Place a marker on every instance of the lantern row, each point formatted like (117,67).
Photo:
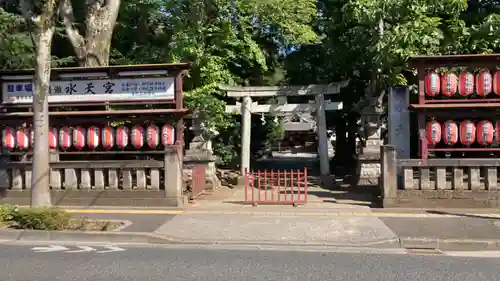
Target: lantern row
(92,137)
(468,132)
(465,84)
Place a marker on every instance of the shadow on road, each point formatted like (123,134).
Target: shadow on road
(476,216)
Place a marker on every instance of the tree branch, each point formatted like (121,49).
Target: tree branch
(113,5)
(68,18)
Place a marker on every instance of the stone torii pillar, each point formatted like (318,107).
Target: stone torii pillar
(324,159)
(246,133)
(247,107)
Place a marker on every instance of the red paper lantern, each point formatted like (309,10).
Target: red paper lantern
(65,137)
(484,83)
(467,132)
(433,132)
(496,83)
(79,137)
(466,84)
(23,138)
(167,135)
(108,137)
(122,137)
(93,137)
(485,132)
(450,133)
(153,136)
(8,138)
(52,138)
(432,84)
(137,136)
(449,83)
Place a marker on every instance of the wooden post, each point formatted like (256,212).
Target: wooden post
(388,176)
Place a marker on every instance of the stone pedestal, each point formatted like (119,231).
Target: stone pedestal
(369,154)
(369,170)
(201,157)
(200,151)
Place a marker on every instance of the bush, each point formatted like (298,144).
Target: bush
(35,218)
(7,212)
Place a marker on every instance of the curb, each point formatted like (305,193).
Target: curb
(381,244)
(123,237)
(420,243)
(450,244)
(80,236)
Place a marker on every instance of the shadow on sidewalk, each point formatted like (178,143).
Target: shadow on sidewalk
(316,195)
(476,216)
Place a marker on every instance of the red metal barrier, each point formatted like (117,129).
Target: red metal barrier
(198,183)
(281,187)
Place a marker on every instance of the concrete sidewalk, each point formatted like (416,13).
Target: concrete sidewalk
(325,220)
(278,230)
(445,233)
(462,231)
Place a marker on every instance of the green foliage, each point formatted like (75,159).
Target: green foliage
(206,100)
(7,212)
(49,219)
(35,218)
(18,50)
(17,47)
(273,42)
(274,131)
(227,144)
(232,42)
(367,37)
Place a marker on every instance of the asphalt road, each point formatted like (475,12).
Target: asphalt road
(140,222)
(19,263)
(445,228)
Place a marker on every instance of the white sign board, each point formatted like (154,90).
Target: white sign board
(94,90)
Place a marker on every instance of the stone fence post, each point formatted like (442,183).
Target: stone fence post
(5,182)
(174,183)
(389,174)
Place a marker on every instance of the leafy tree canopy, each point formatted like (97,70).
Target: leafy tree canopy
(272,42)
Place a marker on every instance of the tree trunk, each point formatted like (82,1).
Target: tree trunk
(98,34)
(42,28)
(92,49)
(40,189)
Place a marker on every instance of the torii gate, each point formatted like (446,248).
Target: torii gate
(247,107)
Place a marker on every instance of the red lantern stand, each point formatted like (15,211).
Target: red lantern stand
(87,128)
(464,88)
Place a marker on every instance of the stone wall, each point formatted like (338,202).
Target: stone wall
(448,182)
